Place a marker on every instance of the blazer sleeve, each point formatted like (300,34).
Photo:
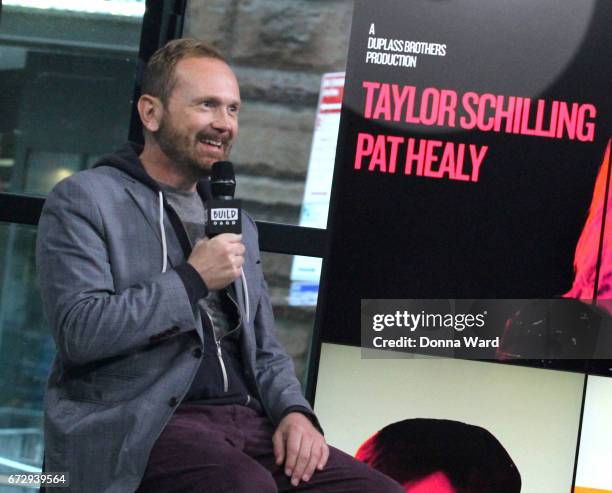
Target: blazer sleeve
(90,320)
(275,374)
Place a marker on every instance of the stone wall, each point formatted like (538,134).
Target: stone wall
(279,49)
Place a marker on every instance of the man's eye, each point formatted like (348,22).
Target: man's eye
(233,109)
(207,104)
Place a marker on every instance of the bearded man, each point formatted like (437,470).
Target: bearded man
(168,376)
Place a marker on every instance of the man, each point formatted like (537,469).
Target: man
(163,381)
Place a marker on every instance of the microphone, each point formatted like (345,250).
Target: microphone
(223,211)
(223,180)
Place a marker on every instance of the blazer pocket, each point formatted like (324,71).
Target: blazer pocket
(105,388)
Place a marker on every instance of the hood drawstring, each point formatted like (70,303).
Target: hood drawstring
(163,233)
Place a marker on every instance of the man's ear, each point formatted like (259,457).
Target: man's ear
(151,111)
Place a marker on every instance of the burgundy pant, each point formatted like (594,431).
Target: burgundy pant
(221,449)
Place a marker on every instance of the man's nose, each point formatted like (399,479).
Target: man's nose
(222,121)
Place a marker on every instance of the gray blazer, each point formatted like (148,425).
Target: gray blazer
(125,331)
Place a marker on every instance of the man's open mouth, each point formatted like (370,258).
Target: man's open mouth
(215,143)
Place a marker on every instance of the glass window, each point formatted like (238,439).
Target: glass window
(66,84)
(26,352)
(294,321)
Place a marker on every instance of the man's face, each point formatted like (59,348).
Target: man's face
(200,118)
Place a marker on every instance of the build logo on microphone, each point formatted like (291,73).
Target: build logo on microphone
(225,215)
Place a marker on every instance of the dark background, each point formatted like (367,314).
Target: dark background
(513,233)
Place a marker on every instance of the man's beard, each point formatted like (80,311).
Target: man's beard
(181,150)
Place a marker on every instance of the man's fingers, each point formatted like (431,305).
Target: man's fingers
(292,449)
(313,461)
(230,237)
(235,254)
(279,448)
(236,248)
(302,461)
(324,456)
(304,447)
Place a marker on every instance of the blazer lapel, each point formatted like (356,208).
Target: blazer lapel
(148,204)
(237,293)
(150,210)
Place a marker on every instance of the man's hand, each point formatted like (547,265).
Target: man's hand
(218,260)
(300,446)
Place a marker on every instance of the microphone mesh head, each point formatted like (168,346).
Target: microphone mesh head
(222,170)
(222,180)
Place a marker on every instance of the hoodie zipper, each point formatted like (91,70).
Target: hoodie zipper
(219,354)
(220,357)
(218,342)
(239,322)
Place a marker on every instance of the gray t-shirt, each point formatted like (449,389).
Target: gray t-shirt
(190,210)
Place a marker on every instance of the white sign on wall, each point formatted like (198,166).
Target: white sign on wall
(306,271)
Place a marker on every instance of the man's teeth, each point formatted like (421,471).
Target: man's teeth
(211,142)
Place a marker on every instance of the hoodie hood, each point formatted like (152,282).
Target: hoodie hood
(127,159)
